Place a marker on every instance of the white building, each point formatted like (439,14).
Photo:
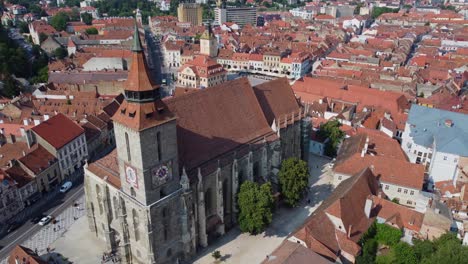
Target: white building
(439,140)
(239,15)
(303,12)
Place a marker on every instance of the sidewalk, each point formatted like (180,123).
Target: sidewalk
(46,236)
(42,204)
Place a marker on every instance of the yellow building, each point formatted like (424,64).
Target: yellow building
(190,12)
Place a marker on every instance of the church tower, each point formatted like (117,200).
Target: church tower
(208,43)
(156,225)
(145,132)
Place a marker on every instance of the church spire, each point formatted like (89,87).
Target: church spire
(136,47)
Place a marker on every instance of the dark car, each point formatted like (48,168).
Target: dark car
(37,218)
(13,226)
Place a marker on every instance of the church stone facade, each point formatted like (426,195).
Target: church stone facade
(170,186)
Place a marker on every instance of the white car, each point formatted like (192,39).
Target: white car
(66,186)
(45,220)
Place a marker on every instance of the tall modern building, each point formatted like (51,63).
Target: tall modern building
(190,12)
(239,15)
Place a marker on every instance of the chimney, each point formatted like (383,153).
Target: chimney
(368,206)
(350,228)
(46,117)
(364,149)
(24,153)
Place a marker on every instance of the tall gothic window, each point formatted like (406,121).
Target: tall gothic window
(135,224)
(208,202)
(129,157)
(99,198)
(158,141)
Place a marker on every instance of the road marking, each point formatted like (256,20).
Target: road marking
(34,226)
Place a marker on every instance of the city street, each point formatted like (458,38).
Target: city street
(29,229)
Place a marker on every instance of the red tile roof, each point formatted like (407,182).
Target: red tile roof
(58,131)
(107,168)
(277,99)
(397,215)
(38,160)
(24,255)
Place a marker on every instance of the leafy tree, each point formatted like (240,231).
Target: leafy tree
(293,179)
(23,27)
(75,14)
(396,200)
(10,88)
(423,248)
(42,76)
(332,131)
(404,254)
(59,21)
(216,254)
(60,53)
(369,250)
(377,11)
(42,37)
(448,250)
(87,18)
(92,31)
(388,235)
(72,3)
(255,207)
(448,7)
(385,259)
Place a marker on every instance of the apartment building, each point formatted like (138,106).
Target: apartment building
(239,15)
(190,12)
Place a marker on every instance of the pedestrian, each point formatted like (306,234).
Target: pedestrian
(48,249)
(308,201)
(59,227)
(55,229)
(35,251)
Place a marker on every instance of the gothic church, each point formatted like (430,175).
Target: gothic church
(169,187)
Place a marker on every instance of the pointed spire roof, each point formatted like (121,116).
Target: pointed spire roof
(136,47)
(139,75)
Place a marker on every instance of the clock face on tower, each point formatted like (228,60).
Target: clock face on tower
(161,174)
(131,176)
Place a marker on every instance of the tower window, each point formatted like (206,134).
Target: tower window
(127,142)
(158,142)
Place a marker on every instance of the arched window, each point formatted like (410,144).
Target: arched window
(241,176)
(99,198)
(225,196)
(116,207)
(208,202)
(256,171)
(135,224)
(132,191)
(158,142)
(164,212)
(127,142)
(166,232)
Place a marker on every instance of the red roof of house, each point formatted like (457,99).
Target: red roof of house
(24,255)
(58,131)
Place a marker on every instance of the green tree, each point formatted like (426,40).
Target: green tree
(75,14)
(255,207)
(92,31)
(332,131)
(10,88)
(23,27)
(87,18)
(42,76)
(448,250)
(59,21)
(42,37)
(293,179)
(388,235)
(423,248)
(377,11)
(369,250)
(60,53)
(404,254)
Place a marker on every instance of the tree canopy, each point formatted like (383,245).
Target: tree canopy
(388,235)
(255,207)
(377,11)
(293,179)
(332,131)
(92,31)
(59,21)
(60,53)
(87,18)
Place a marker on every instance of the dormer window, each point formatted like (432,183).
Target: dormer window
(132,114)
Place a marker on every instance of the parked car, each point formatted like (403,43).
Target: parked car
(13,226)
(44,221)
(66,186)
(37,218)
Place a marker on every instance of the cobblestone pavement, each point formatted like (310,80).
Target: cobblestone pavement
(236,247)
(47,235)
